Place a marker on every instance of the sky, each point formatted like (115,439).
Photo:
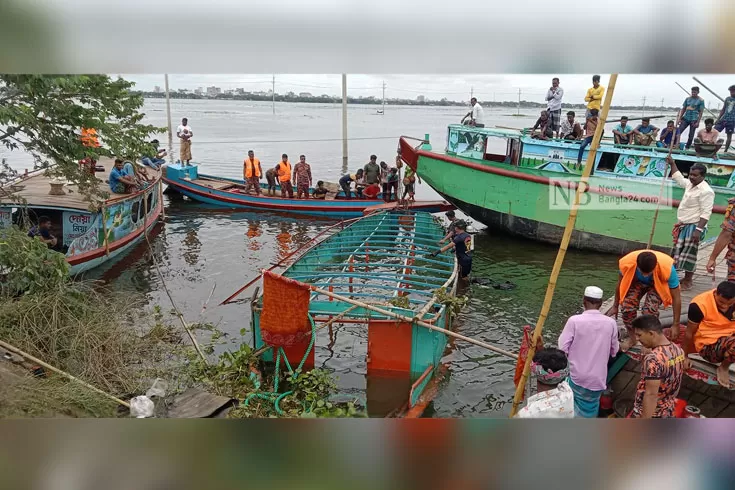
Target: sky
(629,90)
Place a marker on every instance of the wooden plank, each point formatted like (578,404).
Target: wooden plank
(712,407)
(620,382)
(697,399)
(728,412)
(196,403)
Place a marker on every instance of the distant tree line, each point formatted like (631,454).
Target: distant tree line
(328,99)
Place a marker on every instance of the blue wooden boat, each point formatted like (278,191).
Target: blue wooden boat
(231,193)
(377,261)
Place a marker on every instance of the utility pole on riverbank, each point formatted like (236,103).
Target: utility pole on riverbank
(384,97)
(273,89)
(519,102)
(344,123)
(643,111)
(168,118)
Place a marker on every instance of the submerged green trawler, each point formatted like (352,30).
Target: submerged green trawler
(527,190)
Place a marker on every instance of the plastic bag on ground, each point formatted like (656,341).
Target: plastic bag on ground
(158,389)
(141,407)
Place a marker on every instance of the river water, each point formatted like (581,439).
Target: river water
(200,247)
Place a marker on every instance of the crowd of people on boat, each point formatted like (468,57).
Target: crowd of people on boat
(706,141)
(572,376)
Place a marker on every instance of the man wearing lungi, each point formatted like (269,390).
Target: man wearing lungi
(692,216)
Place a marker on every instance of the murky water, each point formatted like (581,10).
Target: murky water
(199,247)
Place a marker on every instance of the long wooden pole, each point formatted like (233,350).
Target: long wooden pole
(687,92)
(582,187)
(63,373)
(708,89)
(168,118)
(345,166)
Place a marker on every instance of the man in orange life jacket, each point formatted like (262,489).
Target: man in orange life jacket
(651,274)
(284,176)
(711,328)
(252,172)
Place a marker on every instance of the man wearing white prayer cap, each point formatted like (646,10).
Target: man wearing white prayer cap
(589,340)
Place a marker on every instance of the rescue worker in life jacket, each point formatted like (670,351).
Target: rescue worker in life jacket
(252,172)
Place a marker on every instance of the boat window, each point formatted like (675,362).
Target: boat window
(148,204)
(134,211)
(607,162)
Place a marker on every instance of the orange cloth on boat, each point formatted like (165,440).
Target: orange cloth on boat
(714,324)
(89,137)
(661,274)
(284,172)
(285,317)
(250,167)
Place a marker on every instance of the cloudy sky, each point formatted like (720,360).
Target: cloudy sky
(630,89)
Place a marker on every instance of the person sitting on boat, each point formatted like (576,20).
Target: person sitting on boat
(589,340)
(590,126)
(664,141)
(692,216)
(662,370)
(372,171)
(570,129)
(451,227)
(347,180)
(651,274)
(156,160)
(409,184)
(462,244)
(543,123)
(42,231)
(302,178)
(554,398)
(645,133)
(283,170)
(711,328)
(320,192)
(708,136)
(371,191)
(121,182)
(726,119)
(252,172)
(476,115)
(622,132)
(271,175)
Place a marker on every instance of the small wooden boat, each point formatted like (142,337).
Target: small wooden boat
(232,193)
(88,234)
(375,273)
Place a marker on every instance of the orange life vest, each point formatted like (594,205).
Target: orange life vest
(250,167)
(284,172)
(661,274)
(89,137)
(714,324)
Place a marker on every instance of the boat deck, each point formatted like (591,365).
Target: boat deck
(34,188)
(713,400)
(230,185)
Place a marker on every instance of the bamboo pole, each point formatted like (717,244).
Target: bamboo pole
(564,243)
(411,320)
(708,89)
(63,373)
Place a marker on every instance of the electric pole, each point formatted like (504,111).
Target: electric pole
(273,89)
(662,103)
(519,102)
(383,97)
(643,111)
(344,123)
(472,92)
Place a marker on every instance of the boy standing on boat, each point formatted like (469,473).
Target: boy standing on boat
(662,369)
(711,329)
(651,274)
(252,172)
(690,114)
(553,104)
(726,119)
(302,178)
(594,96)
(692,217)
(184,133)
(589,340)
(283,170)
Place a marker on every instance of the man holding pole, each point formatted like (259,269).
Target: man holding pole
(692,217)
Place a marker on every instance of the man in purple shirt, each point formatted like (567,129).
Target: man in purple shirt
(589,340)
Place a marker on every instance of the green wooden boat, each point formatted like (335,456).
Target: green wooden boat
(381,261)
(527,188)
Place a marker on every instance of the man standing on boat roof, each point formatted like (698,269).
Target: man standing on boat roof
(476,115)
(184,133)
(252,172)
(690,114)
(726,119)
(553,104)
(302,178)
(372,171)
(283,169)
(589,340)
(651,274)
(594,95)
(692,216)
(462,244)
